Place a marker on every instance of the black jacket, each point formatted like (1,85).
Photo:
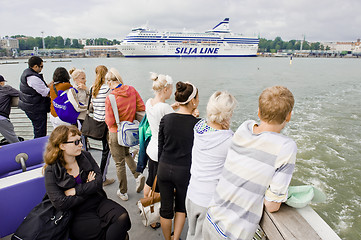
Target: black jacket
(30,100)
(6,93)
(88,194)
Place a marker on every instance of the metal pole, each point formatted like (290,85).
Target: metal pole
(42,34)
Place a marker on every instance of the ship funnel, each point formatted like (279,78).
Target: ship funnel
(222,27)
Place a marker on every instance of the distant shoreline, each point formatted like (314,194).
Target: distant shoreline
(11,60)
(309,56)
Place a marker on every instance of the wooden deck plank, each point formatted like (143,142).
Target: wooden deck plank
(287,223)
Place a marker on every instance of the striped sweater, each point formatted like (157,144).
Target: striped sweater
(99,103)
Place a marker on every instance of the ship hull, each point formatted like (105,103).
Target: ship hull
(187,50)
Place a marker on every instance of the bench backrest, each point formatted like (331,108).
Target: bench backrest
(34,148)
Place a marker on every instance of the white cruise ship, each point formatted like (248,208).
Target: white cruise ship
(218,42)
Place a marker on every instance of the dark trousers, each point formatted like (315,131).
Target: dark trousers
(84,139)
(172,177)
(105,152)
(108,221)
(39,121)
(152,172)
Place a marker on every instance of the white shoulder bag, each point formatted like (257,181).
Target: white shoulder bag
(128,132)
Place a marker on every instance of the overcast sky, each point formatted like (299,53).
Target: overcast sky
(318,20)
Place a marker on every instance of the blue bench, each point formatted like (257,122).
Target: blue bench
(19,194)
(20,191)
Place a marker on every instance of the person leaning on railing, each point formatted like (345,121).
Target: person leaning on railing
(6,127)
(34,97)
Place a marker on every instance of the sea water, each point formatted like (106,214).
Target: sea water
(326,121)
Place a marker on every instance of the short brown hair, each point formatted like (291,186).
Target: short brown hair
(275,103)
(61,75)
(34,60)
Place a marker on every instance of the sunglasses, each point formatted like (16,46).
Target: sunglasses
(76,142)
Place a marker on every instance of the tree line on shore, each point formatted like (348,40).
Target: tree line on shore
(51,42)
(278,44)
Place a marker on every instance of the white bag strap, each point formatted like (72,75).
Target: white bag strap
(70,93)
(114,107)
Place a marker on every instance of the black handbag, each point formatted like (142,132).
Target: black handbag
(44,222)
(93,128)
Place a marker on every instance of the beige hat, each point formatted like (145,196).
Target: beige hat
(116,74)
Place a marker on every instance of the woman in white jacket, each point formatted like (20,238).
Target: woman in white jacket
(212,138)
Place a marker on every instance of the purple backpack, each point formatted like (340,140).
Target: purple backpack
(63,106)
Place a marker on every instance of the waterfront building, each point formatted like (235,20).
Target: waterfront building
(102,51)
(82,41)
(9,43)
(344,46)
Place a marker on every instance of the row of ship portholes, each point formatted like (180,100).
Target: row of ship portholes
(150,47)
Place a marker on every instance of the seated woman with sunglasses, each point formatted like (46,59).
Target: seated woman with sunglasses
(73,182)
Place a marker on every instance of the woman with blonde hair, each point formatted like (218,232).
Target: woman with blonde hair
(99,92)
(175,142)
(79,78)
(73,182)
(82,95)
(212,138)
(128,103)
(156,108)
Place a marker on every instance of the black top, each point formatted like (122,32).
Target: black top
(6,93)
(30,100)
(88,194)
(176,139)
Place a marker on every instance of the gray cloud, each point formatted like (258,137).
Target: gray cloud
(319,20)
